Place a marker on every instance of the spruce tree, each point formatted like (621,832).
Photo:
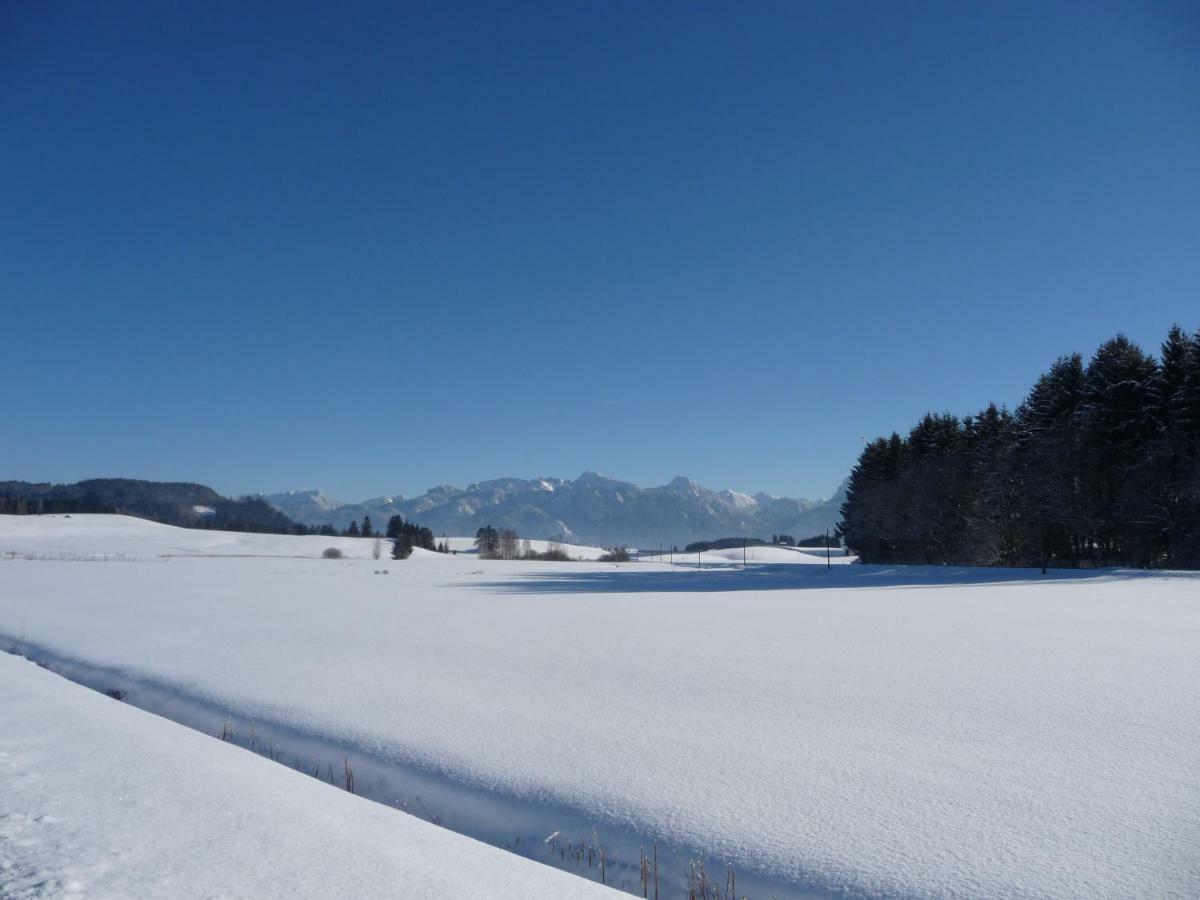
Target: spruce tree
(487,540)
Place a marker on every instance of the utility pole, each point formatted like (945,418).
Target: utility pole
(828,552)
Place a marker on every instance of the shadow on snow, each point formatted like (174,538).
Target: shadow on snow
(627,579)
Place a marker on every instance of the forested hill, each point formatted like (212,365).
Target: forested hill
(174,503)
(1100,465)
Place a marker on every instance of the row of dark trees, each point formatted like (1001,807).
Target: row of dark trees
(364,530)
(407,535)
(816,540)
(722,544)
(22,506)
(1100,465)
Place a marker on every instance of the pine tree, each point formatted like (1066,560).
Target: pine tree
(487,540)
(1185,411)
(1181,368)
(1117,420)
(1047,467)
(1172,374)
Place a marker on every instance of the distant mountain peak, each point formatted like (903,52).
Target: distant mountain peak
(308,496)
(589,477)
(381,501)
(592,508)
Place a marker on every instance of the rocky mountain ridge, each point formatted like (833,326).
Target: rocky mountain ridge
(592,509)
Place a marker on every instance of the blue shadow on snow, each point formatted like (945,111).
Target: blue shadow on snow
(626,578)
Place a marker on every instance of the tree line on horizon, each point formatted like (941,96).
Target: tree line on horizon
(778,540)
(172,503)
(1098,466)
(175,503)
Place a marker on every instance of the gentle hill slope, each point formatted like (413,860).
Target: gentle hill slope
(87,534)
(110,535)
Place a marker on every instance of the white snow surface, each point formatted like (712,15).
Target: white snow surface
(98,535)
(783,555)
(916,732)
(101,799)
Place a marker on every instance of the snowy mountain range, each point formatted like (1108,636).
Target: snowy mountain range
(591,509)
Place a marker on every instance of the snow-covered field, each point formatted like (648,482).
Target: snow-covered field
(124,536)
(117,536)
(774,555)
(98,799)
(864,730)
(783,555)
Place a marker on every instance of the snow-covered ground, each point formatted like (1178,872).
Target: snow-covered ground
(125,536)
(98,799)
(770,554)
(96,535)
(784,555)
(877,731)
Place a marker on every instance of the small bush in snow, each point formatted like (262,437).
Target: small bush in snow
(331,553)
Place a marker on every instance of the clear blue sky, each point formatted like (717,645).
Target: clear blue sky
(374,248)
